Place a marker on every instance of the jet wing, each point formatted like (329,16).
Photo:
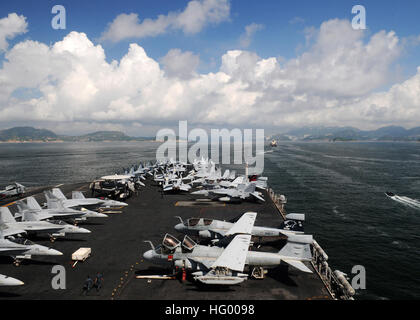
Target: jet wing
(244,225)
(220,191)
(207,263)
(12,251)
(34,215)
(169,187)
(256,195)
(6,231)
(184,187)
(234,256)
(298,265)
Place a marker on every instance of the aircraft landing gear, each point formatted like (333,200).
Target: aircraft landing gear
(17,262)
(258,273)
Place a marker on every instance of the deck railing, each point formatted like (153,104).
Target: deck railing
(335,282)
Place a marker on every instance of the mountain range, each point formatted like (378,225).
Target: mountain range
(29,134)
(389,133)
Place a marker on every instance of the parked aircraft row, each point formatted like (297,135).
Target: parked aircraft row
(52,220)
(224,262)
(205,178)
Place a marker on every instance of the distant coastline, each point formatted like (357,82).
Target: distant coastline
(349,134)
(33,135)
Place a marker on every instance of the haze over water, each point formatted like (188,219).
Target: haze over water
(340,187)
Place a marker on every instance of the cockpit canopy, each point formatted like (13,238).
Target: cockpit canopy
(192,222)
(170,242)
(58,222)
(188,243)
(22,241)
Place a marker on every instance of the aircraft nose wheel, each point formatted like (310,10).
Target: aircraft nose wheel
(258,273)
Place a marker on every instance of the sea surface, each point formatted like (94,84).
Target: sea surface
(340,186)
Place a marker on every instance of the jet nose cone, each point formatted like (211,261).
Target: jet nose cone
(9,281)
(101,215)
(53,252)
(18,283)
(83,230)
(148,255)
(179,227)
(15,282)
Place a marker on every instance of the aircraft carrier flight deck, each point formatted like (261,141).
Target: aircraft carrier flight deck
(117,244)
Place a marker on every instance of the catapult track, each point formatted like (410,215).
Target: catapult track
(117,248)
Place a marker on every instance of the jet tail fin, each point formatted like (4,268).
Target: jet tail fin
(77,195)
(32,203)
(249,188)
(58,193)
(22,206)
(29,216)
(6,216)
(54,204)
(49,195)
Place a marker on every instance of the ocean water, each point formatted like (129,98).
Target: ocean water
(340,187)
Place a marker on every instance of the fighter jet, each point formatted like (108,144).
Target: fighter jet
(9,281)
(216,229)
(175,185)
(225,266)
(30,224)
(68,203)
(78,195)
(20,248)
(59,201)
(12,190)
(54,211)
(242,192)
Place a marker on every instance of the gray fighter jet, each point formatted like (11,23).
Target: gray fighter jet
(225,266)
(55,210)
(175,186)
(30,224)
(20,248)
(9,281)
(242,192)
(68,203)
(216,229)
(78,195)
(56,201)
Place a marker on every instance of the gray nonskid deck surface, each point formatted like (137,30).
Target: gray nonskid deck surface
(117,248)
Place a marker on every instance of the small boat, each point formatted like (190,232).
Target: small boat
(390,194)
(273,143)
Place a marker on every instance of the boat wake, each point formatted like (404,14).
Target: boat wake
(405,200)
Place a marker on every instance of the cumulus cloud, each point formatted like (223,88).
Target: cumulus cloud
(180,64)
(10,27)
(250,30)
(334,82)
(197,15)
